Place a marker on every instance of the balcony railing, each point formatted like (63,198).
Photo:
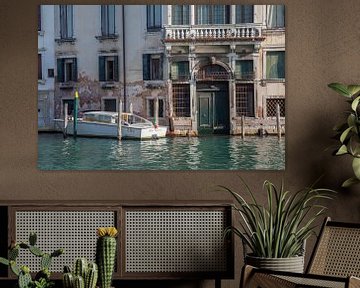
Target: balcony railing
(213,33)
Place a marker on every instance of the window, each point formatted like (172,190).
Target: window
(271,106)
(110,105)
(40,73)
(275,65)
(212,14)
(276,16)
(244,69)
(181,100)
(107,20)
(244,13)
(39,17)
(108,68)
(180,14)
(180,71)
(66,22)
(51,73)
(151,108)
(70,103)
(245,100)
(152,67)
(67,70)
(153,17)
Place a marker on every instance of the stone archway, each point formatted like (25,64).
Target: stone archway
(212,97)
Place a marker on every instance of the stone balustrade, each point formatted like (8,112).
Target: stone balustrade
(218,32)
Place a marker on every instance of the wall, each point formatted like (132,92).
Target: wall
(323,41)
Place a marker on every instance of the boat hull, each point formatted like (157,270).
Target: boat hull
(109,130)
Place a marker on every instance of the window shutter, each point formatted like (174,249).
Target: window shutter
(161,67)
(146,66)
(101,68)
(174,71)
(74,71)
(116,68)
(60,70)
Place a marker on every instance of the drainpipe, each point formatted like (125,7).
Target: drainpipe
(124,57)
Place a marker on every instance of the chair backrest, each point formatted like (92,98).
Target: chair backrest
(337,251)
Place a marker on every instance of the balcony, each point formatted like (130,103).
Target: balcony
(206,33)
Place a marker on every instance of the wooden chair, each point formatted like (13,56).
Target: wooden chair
(334,263)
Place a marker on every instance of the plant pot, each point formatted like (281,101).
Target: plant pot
(291,264)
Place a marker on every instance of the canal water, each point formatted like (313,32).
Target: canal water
(179,153)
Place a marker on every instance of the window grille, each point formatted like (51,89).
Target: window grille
(271,104)
(181,100)
(245,100)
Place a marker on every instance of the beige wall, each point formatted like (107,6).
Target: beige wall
(323,43)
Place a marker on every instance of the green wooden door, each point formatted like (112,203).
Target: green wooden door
(205,112)
(221,121)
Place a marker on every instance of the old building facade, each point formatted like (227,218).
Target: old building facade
(195,68)
(46,65)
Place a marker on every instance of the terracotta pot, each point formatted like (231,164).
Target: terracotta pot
(291,264)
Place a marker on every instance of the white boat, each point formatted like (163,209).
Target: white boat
(104,124)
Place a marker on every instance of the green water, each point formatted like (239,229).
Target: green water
(196,153)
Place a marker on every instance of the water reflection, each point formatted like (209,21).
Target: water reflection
(197,153)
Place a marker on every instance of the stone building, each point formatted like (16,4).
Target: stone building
(46,65)
(195,68)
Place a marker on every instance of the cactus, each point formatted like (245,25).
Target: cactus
(91,276)
(105,254)
(24,280)
(42,278)
(68,280)
(36,251)
(88,273)
(80,267)
(79,282)
(45,261)
(32,239)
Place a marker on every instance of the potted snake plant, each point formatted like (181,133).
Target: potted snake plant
(274,234)
(348,132)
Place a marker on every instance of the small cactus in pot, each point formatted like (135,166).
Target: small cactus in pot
(106,254)
(85,275)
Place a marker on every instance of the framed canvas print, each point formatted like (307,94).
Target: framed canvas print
(161,87)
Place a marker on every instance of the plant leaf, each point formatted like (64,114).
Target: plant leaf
(342,150)
(340,88)
(356,167)
(353,89)
(355,103)
(349,182)
(345,134)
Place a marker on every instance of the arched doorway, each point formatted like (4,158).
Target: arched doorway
(212,90)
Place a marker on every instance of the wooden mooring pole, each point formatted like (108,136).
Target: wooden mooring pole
(119,120)
(156,112)
(243,126)
(278,125)
(76,103)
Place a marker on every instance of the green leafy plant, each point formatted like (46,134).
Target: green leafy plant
(42,278)
(348,133)
(279,229)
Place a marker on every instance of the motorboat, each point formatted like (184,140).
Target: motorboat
(104,124)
